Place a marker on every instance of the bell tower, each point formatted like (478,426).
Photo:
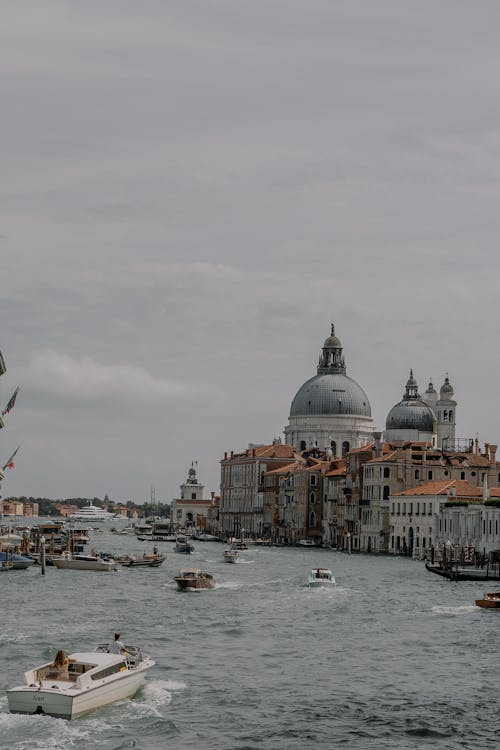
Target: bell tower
(446,416)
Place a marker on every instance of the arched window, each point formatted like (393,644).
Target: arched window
(303,445)
(333,446)
(387,492)
(312,518)
(387,471)
(313,498)
(450,415)
(445,415)
(417,474)
(345,448)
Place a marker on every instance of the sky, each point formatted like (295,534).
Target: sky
(191,192)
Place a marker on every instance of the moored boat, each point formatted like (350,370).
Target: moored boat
(91,680)
(193,579)
(231,555)
(491,600)
(84,562)
(320,577)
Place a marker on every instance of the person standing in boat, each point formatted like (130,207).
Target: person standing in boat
(117,646)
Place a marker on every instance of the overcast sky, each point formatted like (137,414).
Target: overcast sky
(192,191)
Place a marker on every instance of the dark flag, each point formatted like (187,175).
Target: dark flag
(9,464)
(11,403)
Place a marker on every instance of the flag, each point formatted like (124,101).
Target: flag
(10,463)
(11,403)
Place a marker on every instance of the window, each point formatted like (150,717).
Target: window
(109,670)
(404,509)
(462,475)
(429,474)
(450,415)
(193,496)
(303,445)
(417,474)
(399,507)
(312,518)
(417,512)
(392,509)
(387,471)
(445,415)
(387,492)
(423,509)
(333,446)
(313,498)
(313,479)
(345,448)
(411,512)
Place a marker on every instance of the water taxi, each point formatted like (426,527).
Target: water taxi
(490,600)
(320,577)
(193,579)
(91,680)
(231,555)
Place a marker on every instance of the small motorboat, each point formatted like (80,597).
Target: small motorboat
(320,577)
(146,561)
(85,562)
(306,543)
(490,600)
(231,555)
(183,546)
(193,579)
(91,680)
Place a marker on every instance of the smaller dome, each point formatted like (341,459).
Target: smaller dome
(412,414)
(430,388)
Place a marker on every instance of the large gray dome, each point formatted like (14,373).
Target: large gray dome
(332,393)
(410,414)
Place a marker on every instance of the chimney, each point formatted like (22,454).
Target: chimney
(377,436)
(493,451)
(486,450)
(232,454)
(225,455)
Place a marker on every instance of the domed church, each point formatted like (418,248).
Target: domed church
(330,411)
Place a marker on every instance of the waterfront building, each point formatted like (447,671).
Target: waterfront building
(330,411)
(242,487)
(442,512)
(191,509)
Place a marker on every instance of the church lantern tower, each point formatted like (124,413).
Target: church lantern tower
(446,416)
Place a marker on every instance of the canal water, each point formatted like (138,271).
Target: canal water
(393,657)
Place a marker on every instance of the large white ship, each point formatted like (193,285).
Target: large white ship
(91,514)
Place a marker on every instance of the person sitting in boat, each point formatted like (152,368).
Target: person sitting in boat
(117,646)
(61,663)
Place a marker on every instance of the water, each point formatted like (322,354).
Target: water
(393,657)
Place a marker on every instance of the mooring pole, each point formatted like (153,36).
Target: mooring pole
(42,553)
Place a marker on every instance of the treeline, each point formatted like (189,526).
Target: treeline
(48,506)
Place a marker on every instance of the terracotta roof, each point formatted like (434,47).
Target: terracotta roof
(280,450)
(444,487)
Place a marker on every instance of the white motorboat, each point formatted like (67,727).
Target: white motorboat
(306,543)
(320,577)
(231,555)
(91,514)
(84,562)
(91,680)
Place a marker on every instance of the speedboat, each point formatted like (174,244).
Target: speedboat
(90,681)
(238,544)
(16,561)
(320,577)
(193,579)
(84,562)
(306,543)
(490,600)
(231,555)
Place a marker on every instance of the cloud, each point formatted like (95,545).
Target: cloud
(85,382)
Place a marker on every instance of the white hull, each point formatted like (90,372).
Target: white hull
(72,703)
(84,564)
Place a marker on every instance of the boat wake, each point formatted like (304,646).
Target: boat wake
(459,610)
(155,696)
(228,585)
